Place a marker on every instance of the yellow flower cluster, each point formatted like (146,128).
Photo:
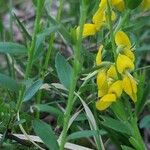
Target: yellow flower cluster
(100,17)
(113,81)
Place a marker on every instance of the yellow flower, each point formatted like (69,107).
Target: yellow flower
(112,73)
(88,29)
(103,4)
(129,54)
(122,39)
(102,83)
(124,63)
(105,101)
(116,88)
(130,87)
(145,5)
(99,56)
(99,18)
(119,4)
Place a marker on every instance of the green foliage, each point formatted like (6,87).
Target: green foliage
(12,48)
(49,109)
(48,76)
(145,122)
(116,125)
(9,83)
(64,70)
(31,91)
(85,134)
(45,132)
(132,4)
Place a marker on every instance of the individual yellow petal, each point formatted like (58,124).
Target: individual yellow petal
(129,54)
(105,101)
(88,29)
(99,18)
(119,4)
(103,4)
(112,73)
(130,87)
(122,39)
(99,56)
(145,5)
(116,88)
(102,83)
(124,63)
(102,92)
(101,78)
(110,81)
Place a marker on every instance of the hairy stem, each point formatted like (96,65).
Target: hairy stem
(76,70)
(31,52)
(109,13)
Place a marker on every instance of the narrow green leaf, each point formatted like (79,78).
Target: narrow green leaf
(142,94)
(45,132)
(135,143)
(85,134)
(48,109)
(126,147)
(12,48)
(92,123)
(116,125)
(24,30)
(62,30)
(41,36)
(30,92)
(145,122)
(64,70)
(8,83)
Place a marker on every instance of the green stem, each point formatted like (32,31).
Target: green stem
(48,55)
(136,134)
(122,21)
(76,70)
(31,52)
(111,28)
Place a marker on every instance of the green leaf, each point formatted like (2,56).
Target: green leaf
(30,92)
(85,134)
(62,30)
(64,70)
(145,122)
(48,109)
(8,83)
(116,125)
(41,36)
(24,30)
(45,132)
(131,4)
(12,48)
(92,122)
(142,94)
(135,143)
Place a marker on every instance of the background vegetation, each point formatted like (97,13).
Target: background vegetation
(37,39)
